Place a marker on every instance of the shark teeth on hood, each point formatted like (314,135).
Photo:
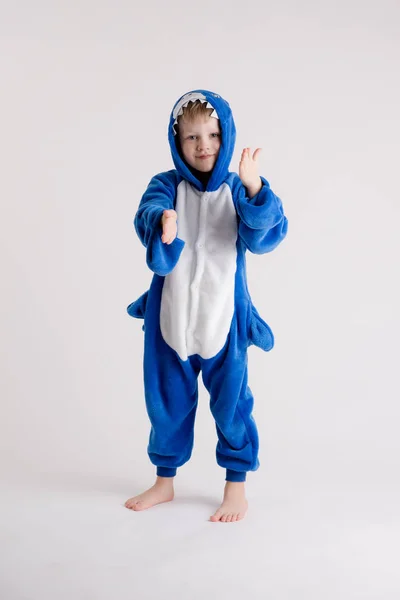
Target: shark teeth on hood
(184,101)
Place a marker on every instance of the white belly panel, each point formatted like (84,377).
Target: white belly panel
(197,300)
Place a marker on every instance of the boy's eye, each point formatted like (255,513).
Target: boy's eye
(215,134)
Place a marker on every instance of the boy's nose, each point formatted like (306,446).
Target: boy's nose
(202,145)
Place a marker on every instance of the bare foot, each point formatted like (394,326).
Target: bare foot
(161,491)
(234,505)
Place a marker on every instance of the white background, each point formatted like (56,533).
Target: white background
(86,92)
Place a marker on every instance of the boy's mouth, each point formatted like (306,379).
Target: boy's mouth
(204,156)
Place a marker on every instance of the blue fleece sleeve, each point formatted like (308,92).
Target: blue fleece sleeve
(262,223)
(159,196)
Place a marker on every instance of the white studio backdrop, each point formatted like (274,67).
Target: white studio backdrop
(85,108)
(87,89)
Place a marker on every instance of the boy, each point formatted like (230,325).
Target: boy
(197,221)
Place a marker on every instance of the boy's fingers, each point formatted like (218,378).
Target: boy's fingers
(247,152)
(169,232)
(168,214)
(170,228)
(170,239)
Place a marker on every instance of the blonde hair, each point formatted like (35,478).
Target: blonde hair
(195,109)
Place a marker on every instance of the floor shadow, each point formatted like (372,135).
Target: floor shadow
(107,484)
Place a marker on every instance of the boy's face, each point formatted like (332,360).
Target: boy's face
(200,142)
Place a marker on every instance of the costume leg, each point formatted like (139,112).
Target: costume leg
(231,403)
(171,394)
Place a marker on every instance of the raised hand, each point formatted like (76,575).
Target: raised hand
(169,226)
(248,171)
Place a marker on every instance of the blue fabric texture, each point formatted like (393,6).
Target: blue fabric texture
(235,475)
(170,384)
(165,472)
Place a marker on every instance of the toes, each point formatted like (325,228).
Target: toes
(226,517)
(216,516)
(132,503)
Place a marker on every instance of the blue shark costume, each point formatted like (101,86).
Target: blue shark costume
(198,314)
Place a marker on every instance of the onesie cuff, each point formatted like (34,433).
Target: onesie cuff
(235,475)
(166,472)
